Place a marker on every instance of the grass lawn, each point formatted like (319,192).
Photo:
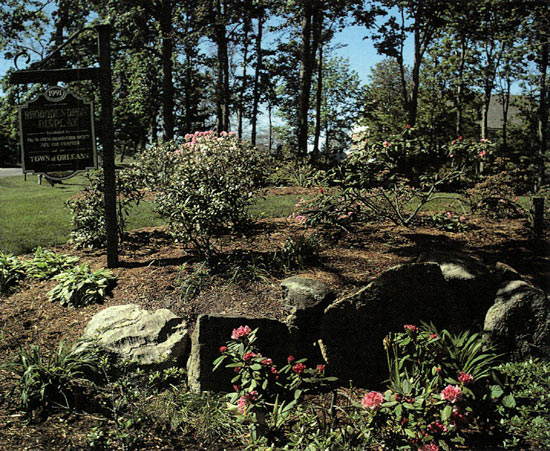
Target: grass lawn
(33,215)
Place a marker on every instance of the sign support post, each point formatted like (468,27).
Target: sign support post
(107,140)
(102,75)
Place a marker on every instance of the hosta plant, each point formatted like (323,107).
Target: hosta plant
(45,264)
(12,270)
(80,286)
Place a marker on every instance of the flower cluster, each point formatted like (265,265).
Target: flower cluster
(241,332)
(372,400)
(451,393)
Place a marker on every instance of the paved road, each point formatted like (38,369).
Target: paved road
(7,172)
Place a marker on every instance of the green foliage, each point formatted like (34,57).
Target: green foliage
(494,197)
(298,251)
(524,403)
(12,270)
(262,388)
(291,171)
(88,207)
(45,264)
(213,182)
(189,286)
(44,383)
(78,287)
(450,221)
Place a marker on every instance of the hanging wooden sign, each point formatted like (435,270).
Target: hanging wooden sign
(57,134)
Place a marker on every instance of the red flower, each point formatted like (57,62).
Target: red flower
(437,428)
(408,126)
(299,368)
(267,362)
(451,393)
(290,359)
(410,327)
(320,368)
(387,144)
(242,331)
(465,378)
(372,400)
(433,336)
(248,356)
(237,369)
(223,349)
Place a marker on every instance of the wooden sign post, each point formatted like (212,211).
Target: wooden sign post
(101,75)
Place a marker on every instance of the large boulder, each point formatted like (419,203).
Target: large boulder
(352,329)
(213,331)
(470,284)
(157,338)
(305,300)
(518,323)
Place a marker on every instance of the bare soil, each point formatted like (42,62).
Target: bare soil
(151,275)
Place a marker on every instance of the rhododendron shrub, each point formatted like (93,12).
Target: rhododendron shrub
(204,186)
(261,386)
(439,385)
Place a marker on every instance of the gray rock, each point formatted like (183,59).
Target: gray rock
(213,331)
(306,300)
(157,338)
(519,321)
(471,285)
(352,329)
(505,272)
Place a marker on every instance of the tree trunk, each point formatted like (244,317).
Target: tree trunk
(240,113)
(270,144)
(222,84)
(542,125)
(485,111)
(412,106)
(256,88)
(460,88)
(167,67)
(306,70)
(318,103)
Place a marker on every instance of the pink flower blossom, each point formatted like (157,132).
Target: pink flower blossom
(433,336)
(451,393)
(387,144)
(232,133)
(460,138)
(501,201)
(450,214)
(242,331)
(437,428)
(320,368)
(429,447)
(372,400)
(437,369)
(290,359)
(299,368)
(462,219)
(300,218)
(465,378)
(248,356)
(408,126)
(223,349)
(223,133)
(410,327)
(245,400)
(267,362)
(482,153)
(515,199)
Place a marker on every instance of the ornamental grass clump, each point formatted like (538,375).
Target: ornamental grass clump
(80,286)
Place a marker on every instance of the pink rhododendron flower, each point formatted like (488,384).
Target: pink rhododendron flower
(299,368)
(242,331)
(462,219)
(450,214)
(482,153)
(387,144)
(248,356)
(408,126)
(433,336)
(460,138)
(320,368)
(300,218)
(410,327)
(290,359)
(451,393)
(267,362)
(223,349)
(437,428)
(465,378)
(372,400)
(437,370)
(237,369)
(429,447)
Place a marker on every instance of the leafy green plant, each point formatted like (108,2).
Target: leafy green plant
(438,385)
(298,251)
(88,206)
(190,285)
(262,388)
(214,180)
(523,402)
(49,382)
(12,270)
(45,264)
(79,286)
